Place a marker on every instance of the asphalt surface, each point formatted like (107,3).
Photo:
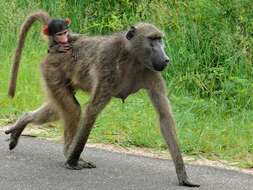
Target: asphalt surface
(38,164)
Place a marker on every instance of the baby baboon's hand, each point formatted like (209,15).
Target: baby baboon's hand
(75,52)
(63,48)
(60,48)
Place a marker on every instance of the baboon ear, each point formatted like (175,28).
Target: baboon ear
(130,33)
(67,21)
(45,30)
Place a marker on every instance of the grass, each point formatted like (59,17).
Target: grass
(210,79)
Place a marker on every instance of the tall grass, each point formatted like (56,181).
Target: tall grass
(210,79)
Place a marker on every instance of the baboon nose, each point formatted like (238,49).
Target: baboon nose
(166,61)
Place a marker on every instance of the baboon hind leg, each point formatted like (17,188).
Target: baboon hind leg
(69,110)
(100,97)
(46,113)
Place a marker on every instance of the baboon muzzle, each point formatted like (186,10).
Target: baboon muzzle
(160,67)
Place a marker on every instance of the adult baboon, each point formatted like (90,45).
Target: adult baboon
(107,66)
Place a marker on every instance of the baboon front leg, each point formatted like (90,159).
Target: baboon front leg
(46,113)
(158,97)
(98,101)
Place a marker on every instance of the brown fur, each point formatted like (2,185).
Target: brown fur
(112,66)
(44,18)
(38,16)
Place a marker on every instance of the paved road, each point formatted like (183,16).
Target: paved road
(38,164)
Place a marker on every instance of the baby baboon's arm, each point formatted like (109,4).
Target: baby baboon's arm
(64,48)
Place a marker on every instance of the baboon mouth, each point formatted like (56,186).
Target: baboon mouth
(159,67)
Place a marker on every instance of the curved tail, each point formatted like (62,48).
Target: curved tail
(44,18)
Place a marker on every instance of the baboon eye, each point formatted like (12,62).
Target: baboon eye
(159,40)
(61,33)
(155,38)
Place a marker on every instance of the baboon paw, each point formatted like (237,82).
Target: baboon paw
(187,183)
(14,137)
(14,130)
(8,131)
(80,165)
(13,143)
(73,167)
(86,164)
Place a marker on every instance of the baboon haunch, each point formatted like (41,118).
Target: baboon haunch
(107,66)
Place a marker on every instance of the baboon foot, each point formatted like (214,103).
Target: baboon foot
(11,130)
(15,134)
(80,165)
(187,183)
(13,142)
(86,164)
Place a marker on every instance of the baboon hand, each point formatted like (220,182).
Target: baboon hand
(80,165)
(60,48)
(75,52)
(64,47)
(187,183)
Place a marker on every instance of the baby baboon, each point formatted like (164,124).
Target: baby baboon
(56,44)
(60,40)
(108,66)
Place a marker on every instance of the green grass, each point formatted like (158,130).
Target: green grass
(210,80)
